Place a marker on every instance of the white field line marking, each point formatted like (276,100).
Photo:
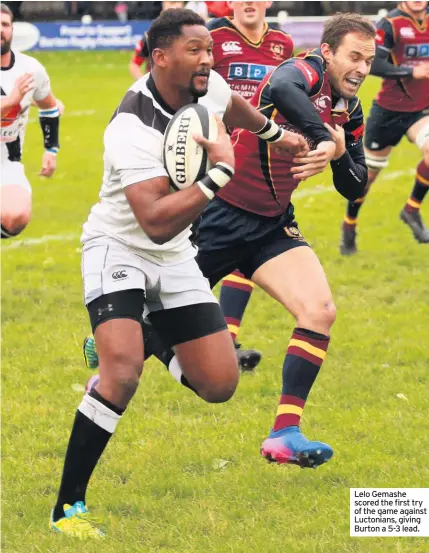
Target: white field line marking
(298,194)
(322,190)
(36,241)
(76,113)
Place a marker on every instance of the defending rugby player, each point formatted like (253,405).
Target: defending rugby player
(400,109)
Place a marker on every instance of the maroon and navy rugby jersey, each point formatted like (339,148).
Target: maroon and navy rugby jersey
(141,52)
(298,97)
(242,63)
(404,42)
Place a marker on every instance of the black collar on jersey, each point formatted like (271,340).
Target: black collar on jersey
(11,64)
(155,93)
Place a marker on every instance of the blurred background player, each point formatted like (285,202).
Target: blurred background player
(245,49)
(23,81)
(139,64)
(400,109)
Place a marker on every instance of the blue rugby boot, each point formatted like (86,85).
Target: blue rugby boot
(289,445)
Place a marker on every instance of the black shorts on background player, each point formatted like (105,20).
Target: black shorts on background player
(386,128)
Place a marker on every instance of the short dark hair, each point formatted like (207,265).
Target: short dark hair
(341,24)
(168,26)
(6,9)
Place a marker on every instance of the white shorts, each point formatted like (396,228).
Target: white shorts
(12,172)
(109,266)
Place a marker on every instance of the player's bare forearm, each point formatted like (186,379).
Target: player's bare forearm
(163,215)
(242,115)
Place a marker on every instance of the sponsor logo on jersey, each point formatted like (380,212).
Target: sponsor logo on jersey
(231,47)
(277,50)
(251,71)
(417,51)
(407,32)
(358,133)
(120,275)
(321,103)
(309,73)
(380,35)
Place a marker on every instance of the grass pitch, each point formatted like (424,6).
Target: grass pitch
(181,476)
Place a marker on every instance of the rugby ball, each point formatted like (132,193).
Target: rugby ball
(186,161)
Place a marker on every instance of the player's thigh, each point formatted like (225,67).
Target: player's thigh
(210,365)
(15,195)
(421,123)
(224,233)
(384,128)
(185,312)
(114,281)
(203,346)
(296,279)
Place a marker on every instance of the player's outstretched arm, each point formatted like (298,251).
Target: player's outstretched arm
(242,115)
(290,91)
(49,117)
(163,215)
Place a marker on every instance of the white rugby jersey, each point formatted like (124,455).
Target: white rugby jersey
(133,144)
(13,123)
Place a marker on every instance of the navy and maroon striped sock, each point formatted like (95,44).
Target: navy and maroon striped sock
(234,297)
(304,357)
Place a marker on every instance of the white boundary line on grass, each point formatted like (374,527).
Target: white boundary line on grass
(75,113)
(297,195)
(42,240)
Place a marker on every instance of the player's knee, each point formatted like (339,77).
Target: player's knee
(219,391)
(124,370)
(319,316)
(14,221)
(375,164)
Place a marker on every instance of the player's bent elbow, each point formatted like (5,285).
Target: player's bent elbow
(351,193)
(158,237)
(155,231)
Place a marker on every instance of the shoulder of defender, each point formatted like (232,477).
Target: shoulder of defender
(274,32)
(395,14)
(218,23)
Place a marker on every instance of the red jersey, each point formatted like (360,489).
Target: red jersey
(262,182)
(407,40)
(141,52)
(242,63)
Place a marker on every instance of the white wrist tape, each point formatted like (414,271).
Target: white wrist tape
(270,132)
(216,178)
(422,136)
